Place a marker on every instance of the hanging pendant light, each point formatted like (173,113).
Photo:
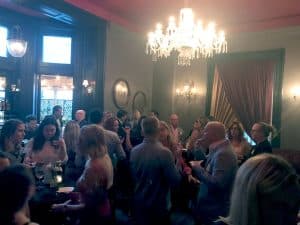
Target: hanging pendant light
(15,44)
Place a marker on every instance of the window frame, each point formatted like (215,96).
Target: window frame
(7,30)
(55,68)
(44,55)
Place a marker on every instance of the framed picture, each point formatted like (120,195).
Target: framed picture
(121,93)
(139,101)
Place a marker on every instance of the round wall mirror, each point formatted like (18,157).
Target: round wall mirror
(121,93)
(139,102)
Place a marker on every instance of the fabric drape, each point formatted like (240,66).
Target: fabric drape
(221,109)
(248,86)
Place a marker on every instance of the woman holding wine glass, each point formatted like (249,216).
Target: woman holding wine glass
(46,148)
(95,181)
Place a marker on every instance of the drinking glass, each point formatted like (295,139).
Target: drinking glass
(39,172)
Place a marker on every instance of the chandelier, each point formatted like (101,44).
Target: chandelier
(189,39)
(16,45)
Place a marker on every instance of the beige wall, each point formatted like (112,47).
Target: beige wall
(126,59)
(290,40)
(189,111)
(167,77)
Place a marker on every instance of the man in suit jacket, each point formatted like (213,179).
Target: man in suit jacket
(80,117)
(259,133)
(217,176)
(154,173)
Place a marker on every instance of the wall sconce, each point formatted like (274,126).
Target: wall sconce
(15,44)
(188,91)
(295,91)
(15,87)
(89,86)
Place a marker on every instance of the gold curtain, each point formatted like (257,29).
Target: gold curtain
(220,107)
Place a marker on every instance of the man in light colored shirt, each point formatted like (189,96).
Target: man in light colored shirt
(175,129)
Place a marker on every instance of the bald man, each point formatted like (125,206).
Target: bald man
(216,176)
(175,129)
(80,117)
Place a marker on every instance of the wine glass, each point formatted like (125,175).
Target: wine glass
(39,172)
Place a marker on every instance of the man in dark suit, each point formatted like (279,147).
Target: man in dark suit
(154,173)
(260,133)
(217,176)
(57,112)
(122,118)
(80,117)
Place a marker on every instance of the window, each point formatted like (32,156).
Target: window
(2,98)
(3,37)
(57,49)
(56,90)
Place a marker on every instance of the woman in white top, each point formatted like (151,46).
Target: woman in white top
(46,147)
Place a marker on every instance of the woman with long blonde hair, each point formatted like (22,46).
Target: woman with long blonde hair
(240,145)
(75,163)
(71,135)
(266,192)
(166,137)
(96,178)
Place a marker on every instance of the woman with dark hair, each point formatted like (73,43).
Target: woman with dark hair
(12,134)
(111,124)
(194,151)
(195,132)
(265,192)
(260,132)
(16,188)
(46,147)
(240,145)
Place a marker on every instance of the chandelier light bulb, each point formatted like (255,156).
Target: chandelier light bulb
(158,26)
(190,39)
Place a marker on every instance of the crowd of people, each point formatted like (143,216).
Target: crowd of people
(144,171)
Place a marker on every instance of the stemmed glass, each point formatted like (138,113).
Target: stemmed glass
(39,173)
